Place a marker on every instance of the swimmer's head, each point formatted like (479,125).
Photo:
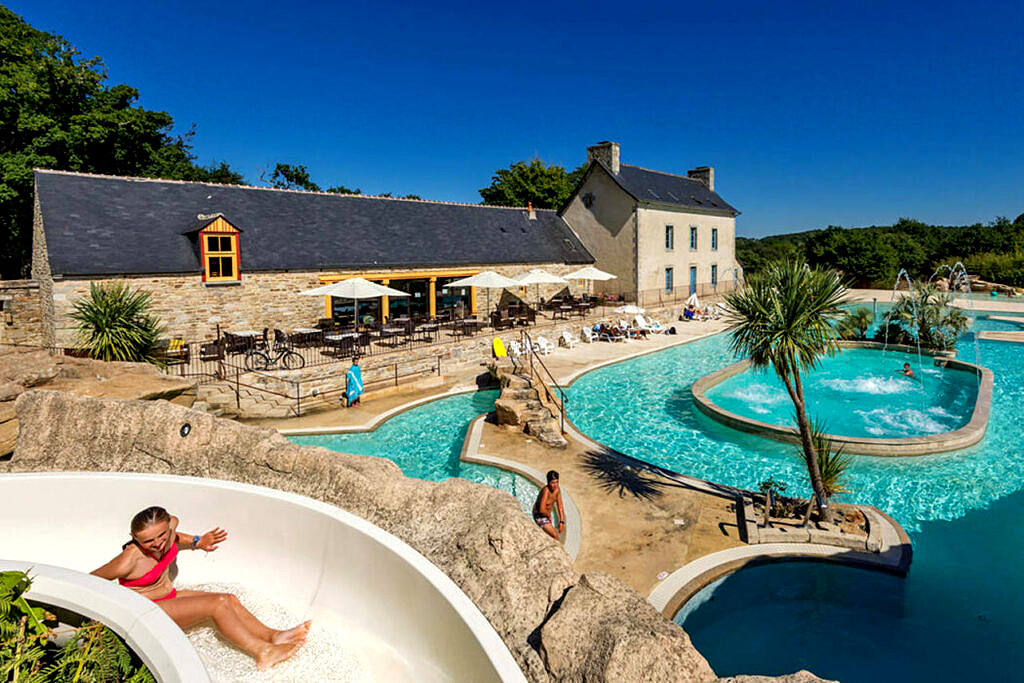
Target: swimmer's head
(151,527)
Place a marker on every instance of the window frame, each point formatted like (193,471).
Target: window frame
(714,239)
(232,254)
(669,278)
(670,238)
(714,274)
(694,240)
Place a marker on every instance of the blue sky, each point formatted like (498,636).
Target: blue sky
(812,113)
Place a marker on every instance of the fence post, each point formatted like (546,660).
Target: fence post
(439,366)
(298,398)
(396,374)
(238,401)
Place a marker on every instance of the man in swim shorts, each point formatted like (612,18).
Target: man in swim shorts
(548,497)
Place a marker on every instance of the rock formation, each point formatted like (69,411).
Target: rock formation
(557,624)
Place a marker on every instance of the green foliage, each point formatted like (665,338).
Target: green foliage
(785,317)
(924,315)
(833,462)
(29,654)
(115,323)
(855,324)
(873,256)
(292,177)
(57,112)
(522,183)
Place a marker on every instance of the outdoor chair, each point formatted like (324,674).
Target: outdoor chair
(588,335)
(543,346)
(211,351)
(568,340)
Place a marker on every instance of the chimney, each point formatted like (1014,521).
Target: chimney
(607,153)
(705,174)
(531,214)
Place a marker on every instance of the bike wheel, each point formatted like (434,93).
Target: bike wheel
(256,360)
(292,361)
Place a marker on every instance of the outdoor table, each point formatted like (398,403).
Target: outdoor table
(563,311)
(305,330)
(248,333)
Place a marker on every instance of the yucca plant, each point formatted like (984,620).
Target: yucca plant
(115,323)
(855,324)
(833,461)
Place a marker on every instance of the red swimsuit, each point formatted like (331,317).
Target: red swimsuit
(150,577)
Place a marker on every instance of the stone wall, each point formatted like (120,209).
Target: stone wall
(192,310)
(21,313)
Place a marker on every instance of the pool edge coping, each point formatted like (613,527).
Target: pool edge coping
(471,454)
(958,439)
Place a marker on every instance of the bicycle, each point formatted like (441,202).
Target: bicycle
(259,359)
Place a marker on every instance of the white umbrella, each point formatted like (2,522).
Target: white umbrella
(355,288)
(487,279)
(590,273)
(693,301)
(539,277)
(631,309)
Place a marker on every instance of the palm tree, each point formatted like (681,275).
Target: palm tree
(785,318)
(925,314)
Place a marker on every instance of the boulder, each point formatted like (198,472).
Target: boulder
(798,677)
(510,411)
(605,631)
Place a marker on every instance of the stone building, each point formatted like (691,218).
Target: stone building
(236,257)
(659,233)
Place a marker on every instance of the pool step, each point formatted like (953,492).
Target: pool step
(520,405)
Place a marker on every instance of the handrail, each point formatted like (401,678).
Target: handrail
(562,399)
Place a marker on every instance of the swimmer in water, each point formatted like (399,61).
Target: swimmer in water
(907,371)
(147,564)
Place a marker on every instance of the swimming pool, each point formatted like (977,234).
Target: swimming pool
(860,392)
(957,613)
(426,441)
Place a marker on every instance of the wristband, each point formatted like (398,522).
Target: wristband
(195,543)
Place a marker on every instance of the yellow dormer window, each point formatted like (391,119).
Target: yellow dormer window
(221,261)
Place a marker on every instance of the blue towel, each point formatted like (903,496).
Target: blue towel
(354,383)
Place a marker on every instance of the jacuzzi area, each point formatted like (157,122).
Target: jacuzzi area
(381,610)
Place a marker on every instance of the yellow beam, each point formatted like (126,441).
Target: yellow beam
(472,300)
(432,298)
(385,309)
(328,278)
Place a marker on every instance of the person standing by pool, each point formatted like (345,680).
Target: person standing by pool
(548,497)
(148,562)
(353,383)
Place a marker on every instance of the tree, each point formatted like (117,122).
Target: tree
(926,316)
(534,182)
(785,318)
(289,177)
(57,112)
(855,324)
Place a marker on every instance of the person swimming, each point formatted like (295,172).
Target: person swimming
(147,566)
(907,371)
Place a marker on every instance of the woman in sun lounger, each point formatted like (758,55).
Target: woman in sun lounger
(146,565)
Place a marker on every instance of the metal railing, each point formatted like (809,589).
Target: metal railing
(233,375)
(535,362)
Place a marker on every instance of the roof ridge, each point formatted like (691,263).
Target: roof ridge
(674,175)
(277,189)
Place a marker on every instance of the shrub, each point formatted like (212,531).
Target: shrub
(29,654)
(115,324)
(855,324)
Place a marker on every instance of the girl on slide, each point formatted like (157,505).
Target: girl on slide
(147,565)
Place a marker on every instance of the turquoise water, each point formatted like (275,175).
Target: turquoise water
(425,442)
(955,617)
(860,392)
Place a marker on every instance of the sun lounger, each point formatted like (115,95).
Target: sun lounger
(650,325)
(588,335)
(568,340)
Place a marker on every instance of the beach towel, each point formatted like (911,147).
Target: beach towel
(353,383)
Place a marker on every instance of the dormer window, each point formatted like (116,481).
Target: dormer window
(219,251)
(221,257)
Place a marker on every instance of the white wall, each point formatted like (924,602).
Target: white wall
(653,257)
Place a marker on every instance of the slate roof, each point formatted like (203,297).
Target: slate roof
(646,185)
(98,225)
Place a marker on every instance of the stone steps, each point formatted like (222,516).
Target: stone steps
(520,406)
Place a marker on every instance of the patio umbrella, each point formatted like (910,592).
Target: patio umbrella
(590,273)
(630,309)
(539,277)
(355,288)
(487,279)
(693,301)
